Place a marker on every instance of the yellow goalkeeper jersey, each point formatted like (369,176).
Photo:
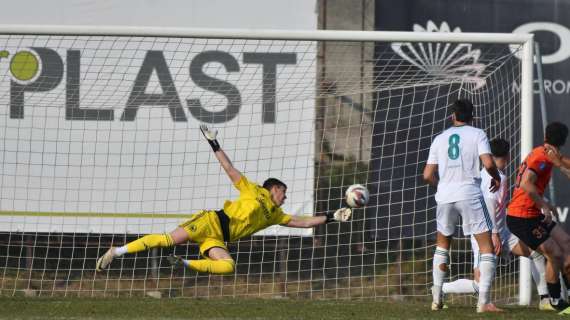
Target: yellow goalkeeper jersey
(252,211)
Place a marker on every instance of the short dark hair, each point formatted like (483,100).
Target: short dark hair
(500,147)
(272,182)
(463,110)
(556,134)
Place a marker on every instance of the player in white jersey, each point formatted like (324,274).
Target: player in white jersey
(496,204)
(453,167)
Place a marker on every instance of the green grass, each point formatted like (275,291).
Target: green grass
(148,308)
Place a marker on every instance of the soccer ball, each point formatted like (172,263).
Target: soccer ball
(357,196)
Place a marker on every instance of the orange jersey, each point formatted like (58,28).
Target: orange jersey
(521,204)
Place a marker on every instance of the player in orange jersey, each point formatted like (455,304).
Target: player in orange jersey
(530,215)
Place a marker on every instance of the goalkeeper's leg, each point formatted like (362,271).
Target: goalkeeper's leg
(219,261)
(179,235)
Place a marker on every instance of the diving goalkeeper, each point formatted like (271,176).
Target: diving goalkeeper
(256,208)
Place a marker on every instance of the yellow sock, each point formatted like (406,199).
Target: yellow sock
(224,266)
(150,241)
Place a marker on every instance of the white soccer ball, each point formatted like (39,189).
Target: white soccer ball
(357,196)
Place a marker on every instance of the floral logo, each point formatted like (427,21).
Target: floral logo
(443,61)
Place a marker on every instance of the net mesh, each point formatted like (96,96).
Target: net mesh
(100,145)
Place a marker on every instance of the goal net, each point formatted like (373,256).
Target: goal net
(100,145)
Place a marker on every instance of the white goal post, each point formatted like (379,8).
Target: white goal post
(124,177)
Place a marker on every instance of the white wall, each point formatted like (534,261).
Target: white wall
(265,14)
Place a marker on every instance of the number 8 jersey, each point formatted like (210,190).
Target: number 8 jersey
(456,152)
(521,204)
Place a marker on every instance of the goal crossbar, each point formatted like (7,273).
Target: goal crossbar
(317,35)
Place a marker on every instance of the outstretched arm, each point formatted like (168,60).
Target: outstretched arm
(306,222)
(232,172)
(340,215)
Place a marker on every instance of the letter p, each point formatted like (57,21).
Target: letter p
(23,67)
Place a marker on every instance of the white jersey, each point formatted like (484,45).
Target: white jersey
(496,201)
(498,198)
(456,152)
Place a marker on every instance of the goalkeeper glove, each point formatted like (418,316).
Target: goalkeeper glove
(341,215)
(210,137)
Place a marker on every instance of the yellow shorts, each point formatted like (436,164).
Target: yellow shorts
(204,229)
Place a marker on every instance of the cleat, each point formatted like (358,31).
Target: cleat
(437,306)
(559,305)
(544,305)
(565,312)
(175,261)
(489,307)
(105,260)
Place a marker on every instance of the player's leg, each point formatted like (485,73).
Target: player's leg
(521,250)
(466,285)
(487,267)
(563,240)
(477,221)
(194,228)
(554,261)
(538,272)
(221,262)
(207,232)
(567,284)
(476,270)
(537,269)
(463,285)
(217,261)
(535,234)
(537,264)
(440,268)
(177,236)
(446,218)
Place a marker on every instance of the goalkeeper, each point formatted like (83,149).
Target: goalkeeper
(256,208)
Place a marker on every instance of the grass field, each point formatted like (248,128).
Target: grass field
(148,308)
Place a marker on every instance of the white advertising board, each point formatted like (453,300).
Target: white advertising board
(103,136)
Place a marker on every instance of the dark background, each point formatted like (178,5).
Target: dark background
(470,16)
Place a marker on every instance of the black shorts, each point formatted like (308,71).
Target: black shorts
(531,231)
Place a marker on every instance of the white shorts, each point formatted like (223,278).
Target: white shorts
(473,213)
(508,242)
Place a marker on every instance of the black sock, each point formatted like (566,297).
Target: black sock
(566,282)
(543,296)
(554,290)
